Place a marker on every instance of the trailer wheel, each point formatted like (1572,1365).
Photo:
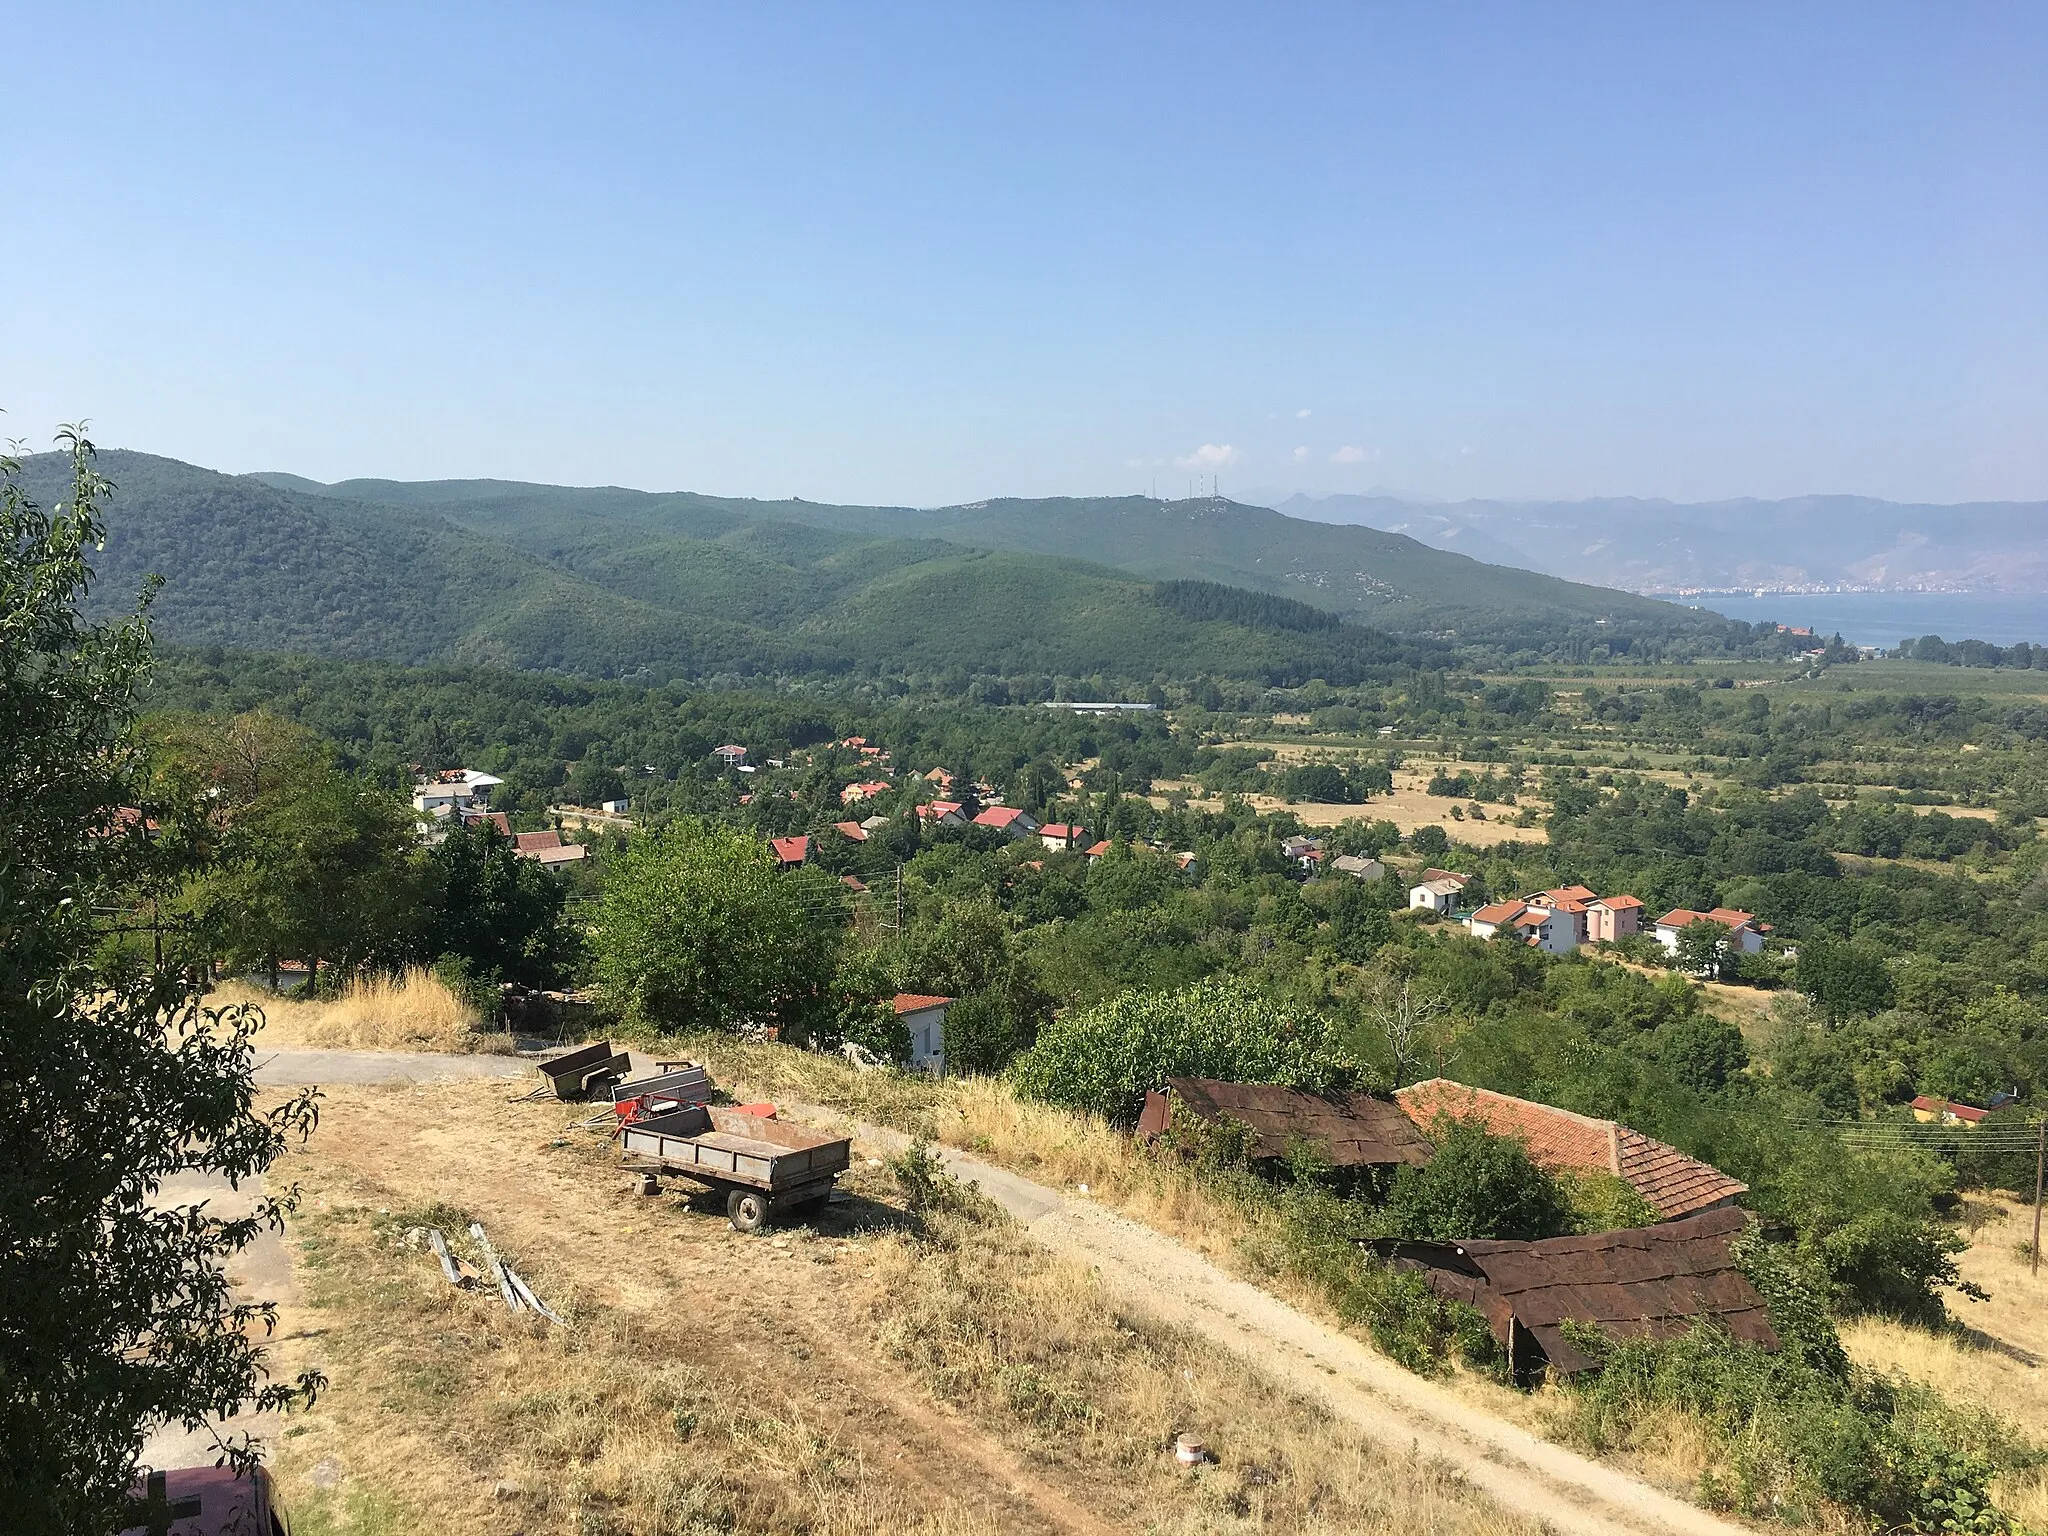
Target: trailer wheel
(747,1210)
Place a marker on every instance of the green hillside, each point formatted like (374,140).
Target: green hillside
(693,590)
(1378,578)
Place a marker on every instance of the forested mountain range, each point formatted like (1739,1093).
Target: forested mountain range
(608,582)
(1646,545)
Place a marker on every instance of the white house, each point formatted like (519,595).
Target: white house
(454,790)
(1061,835)
(925,1018)
(1008,819)
(1745,933)
(1550,929)
(1438,896)
(1489,920)
(731,756)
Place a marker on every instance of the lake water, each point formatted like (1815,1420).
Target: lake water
(1886,618)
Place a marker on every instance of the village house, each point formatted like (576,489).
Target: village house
(1557,1139)
(1553,930)
(1929,1111)
(453,791)
(925,1018)
(1358,869)
(1097,850)
(1304,851)
(1610,919)
(731,756)
(1745,933)
(852,831)
(790,851)
(1060,835)
(1438,891)
(854,793)
(1008,819)
(942,813)
(548,848)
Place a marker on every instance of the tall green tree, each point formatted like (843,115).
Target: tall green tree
(698,929)
(501,915)
(115,1312)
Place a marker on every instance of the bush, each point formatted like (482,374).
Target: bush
(1104,1059)
(1801,1428)
(1477,1185)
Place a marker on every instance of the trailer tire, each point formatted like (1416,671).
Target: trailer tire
(747,1210)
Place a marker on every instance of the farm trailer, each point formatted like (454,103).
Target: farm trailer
(762,1166)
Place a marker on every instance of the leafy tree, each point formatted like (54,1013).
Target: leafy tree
(1844,980)
(1477,1185)
(1701,1051)
(1321,783)
(1432,842)
(501,915)
(1702,945)
(592,783)
(327,869)
(115,1312)
(1104,1059)
(698,929)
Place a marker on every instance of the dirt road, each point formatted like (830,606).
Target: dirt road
(1565,1490)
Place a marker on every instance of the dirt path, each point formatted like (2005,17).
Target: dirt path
(1565,1490)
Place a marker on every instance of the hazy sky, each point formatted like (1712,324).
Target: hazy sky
(928,254)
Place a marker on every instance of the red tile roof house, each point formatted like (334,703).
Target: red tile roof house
(1550,929)
(925,1018)
(1613,918)
(1059,834)
(1745,933)
(942,813)
(1561,1141)
(867,791)
(790,851)
(852,831)
(1097,850)
(1007,818)
(1945,1111)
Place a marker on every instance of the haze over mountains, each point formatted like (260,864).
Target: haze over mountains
(610,582)
(1654,546)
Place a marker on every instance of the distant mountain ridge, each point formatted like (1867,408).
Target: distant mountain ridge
(1376,577)
(1655,546)
(611,582)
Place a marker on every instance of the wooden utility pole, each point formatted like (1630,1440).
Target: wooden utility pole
(2040,1158)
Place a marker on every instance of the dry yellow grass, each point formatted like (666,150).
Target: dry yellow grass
(871,1371)
(412,1011)
(1998,1358)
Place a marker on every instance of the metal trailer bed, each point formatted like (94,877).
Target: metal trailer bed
(762,1166)
(579,1074)
(645,1097)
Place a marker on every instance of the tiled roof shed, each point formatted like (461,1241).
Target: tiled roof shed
(1641,1282)
(1559,1140)
(1351,1130)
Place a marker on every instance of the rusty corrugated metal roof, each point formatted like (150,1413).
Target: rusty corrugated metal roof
(1641,1282)
(1351,1130)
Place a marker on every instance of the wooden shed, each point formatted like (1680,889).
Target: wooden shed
(1349,1130)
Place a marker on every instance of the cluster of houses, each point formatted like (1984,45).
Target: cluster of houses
(1559,921)
(462,797)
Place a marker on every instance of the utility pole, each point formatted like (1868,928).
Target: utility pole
(2040,1158)
(899,934)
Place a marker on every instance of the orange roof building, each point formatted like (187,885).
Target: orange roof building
(1563,1142)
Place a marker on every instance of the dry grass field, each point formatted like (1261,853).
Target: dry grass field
(877,1369)
(413,1011)
(1998,1357)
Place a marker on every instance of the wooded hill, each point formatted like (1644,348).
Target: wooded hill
(610,582)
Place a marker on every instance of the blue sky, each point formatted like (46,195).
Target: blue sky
(930,254)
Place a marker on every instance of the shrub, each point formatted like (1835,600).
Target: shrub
(1102,1060)
(1477,1185)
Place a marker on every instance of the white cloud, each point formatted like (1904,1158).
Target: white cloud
(1302,414)
(1301,455)
(1210,456)
(1350,455)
